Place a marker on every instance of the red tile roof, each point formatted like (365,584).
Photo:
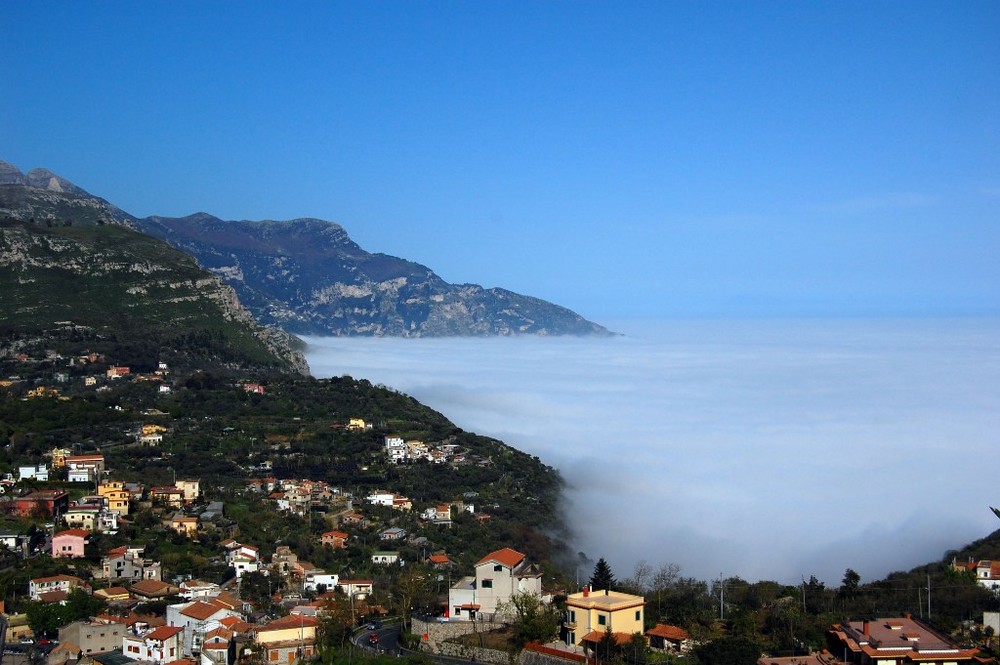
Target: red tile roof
(79,533)
(291,621)
(164,633)
(668,632)
(506,556)
(200,610)
(596,636)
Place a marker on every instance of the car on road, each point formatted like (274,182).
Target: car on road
(373,639)
(374,625)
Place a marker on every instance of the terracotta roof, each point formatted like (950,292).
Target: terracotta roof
(112,592)
(164,633)
(221,633)
(200,610)
(227,600)
(53,596)
(439,558)
(290,621)
(236,625)
(596,636)
(67,647)
(153,588)
(57,578)
(79,533)
(668,632)
(506,556)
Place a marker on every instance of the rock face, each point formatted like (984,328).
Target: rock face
(305,275)
(66,261)
(308,277)
(43,197)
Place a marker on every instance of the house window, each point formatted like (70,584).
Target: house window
(637,615)
(487,584)
(497,568)
(602,620)
(572,616)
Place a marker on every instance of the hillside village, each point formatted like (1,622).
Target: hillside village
(115,550)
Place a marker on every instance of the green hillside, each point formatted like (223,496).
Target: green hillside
(122,290)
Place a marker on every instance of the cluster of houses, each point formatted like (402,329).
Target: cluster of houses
(91,378)
(399,451)
(208,627)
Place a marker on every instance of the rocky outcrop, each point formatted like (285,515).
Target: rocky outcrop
(307,276)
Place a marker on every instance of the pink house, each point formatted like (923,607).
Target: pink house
(69,544)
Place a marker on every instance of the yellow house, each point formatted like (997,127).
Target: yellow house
(59,456)
(288,639)
(116,497)
(356,424)
(190,488)
(187,526)
(589,614)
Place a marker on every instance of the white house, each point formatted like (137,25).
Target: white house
(499,575)
(385,558)
(39,472)
(160,645)
(197,618)
(314,579)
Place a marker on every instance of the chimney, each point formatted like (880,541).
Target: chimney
(605,592)
(586,592)
(864,628)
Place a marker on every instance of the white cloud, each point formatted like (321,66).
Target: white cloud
(762,449)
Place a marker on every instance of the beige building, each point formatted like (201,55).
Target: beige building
(589,614)
(287,639)
(94,635)
(190,488)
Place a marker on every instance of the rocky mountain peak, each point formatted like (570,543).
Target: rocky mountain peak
(46,179)
(11,175)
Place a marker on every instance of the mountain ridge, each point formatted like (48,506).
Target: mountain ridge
(306,275)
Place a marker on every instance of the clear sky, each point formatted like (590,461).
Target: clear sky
(625,159)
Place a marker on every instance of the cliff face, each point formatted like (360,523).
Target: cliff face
(307,276)
(111,281)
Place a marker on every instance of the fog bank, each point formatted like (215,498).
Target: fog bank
(764,449)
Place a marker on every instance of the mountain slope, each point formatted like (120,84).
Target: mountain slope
(307,276)
(75,273)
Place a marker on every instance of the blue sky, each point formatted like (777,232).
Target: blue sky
(623,159)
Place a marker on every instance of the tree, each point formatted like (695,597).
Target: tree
(335,626)
(728,651)
(602,578)
(641,578)
(412,582)
(534,620)
(849,585)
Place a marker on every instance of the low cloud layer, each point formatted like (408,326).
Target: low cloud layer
(768,450)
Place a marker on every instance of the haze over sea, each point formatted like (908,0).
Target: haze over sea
(768,449)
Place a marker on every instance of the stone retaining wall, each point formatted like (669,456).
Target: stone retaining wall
(435,633)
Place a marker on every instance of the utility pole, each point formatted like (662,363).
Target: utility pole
(722,598)
(928,596)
